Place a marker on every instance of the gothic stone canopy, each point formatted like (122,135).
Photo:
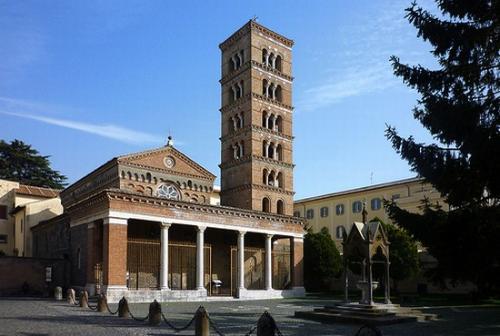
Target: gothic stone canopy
(365,240)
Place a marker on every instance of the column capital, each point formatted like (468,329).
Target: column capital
(201,228)
(242,232)
(269,236)
(165,225)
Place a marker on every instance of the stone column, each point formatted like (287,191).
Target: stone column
(269,258)
(164,256)
(200,267)
(114,257)
(241,260)
(370,281)
(387,282)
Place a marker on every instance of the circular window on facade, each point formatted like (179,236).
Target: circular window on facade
(169,162)
(168,191)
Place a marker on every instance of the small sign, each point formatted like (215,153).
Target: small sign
(48,273)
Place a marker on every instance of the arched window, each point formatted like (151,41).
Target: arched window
(280,207)
(270,151)
(339,209)
(265,87)
(323,212)
(340,232)
(279,178)
(278,127)
(240,120)
(264,119)
(357,207)
(266,205)
(264,56)
(376,203)
(264,148)
(279,153)
(271,181)
(148,177)
(241,147)
(265,175)
(271,121)
(278,63)
(272,60)
(278,95)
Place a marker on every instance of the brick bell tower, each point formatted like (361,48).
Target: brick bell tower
(256,119)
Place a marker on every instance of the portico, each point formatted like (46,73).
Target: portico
(171,250)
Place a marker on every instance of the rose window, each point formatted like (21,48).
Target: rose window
(168,191)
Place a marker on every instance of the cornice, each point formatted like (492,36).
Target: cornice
(233,74)
(271,101)
(126,196)
(257,128)
(253,25)
(167,171)
(250,158)
(257,186)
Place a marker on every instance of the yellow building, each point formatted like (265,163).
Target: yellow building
(22,207)
(340,209)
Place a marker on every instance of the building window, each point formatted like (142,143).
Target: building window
(340,232)
(3,212)
(168,191)
(3,239)
(266,205)
(357,207)
(280,207)
(296,213)
(376,203)
(323,212)
(310,214)
(339,209)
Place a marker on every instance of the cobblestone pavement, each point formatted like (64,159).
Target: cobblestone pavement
(37,317)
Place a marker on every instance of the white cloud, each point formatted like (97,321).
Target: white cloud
(28,110)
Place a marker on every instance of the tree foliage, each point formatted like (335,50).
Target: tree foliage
(322,261)
(459,105)
(20,162)
(403,252)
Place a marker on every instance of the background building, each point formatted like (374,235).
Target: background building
(22,207)
(337,211)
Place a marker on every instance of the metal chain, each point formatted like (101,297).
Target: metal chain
(138,318)
(251,330)
(177,329)
(370,331)
(109,310)
(214,326)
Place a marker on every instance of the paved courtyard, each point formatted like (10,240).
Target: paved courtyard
(37,317)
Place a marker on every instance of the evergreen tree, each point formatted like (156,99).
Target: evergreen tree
(459,105)
(322,261)
(19,162)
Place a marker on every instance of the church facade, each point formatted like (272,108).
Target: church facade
(142,225)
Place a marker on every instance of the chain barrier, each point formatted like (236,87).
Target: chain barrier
(109,309)
(138,318)
(368,330)
(361,332)
(214,326)
(177,329)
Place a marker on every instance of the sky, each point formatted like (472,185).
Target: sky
(86,81)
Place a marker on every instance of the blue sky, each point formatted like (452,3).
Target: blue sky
(86,81)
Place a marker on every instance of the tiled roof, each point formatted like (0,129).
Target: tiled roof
(37,191)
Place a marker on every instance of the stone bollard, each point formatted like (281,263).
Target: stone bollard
(154,316)
(58,293)
(84,299)
(123,310)
(266,326)
(102,303)
(201,323)
(71,296)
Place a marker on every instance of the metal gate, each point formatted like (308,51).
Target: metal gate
(143,265)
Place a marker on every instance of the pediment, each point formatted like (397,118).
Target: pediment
(166,159)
